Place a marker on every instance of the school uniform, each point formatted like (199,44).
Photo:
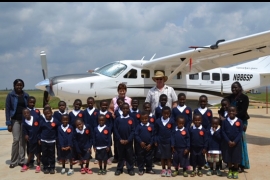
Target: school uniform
(117,114)
(65,139)
(90,117)
(180,140)
(109,119)
(31,128)
(144,133)
(158,112)
(214,145)
(232,131)
(101,141)
(83,141)
(164,130)
(198,142)
(48,135)
(135,114)
(124,128)
(34,112)
(207,116)
(73,115)
(152,119)
(184,111)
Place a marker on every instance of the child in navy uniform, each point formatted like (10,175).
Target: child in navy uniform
(75,113)
(30,127)
(31,102)
(183,110)
(124,128)
(134,111)
(47,137)
(205,112)
(231,130)
(83,136)
(164,128)
(198,145)
(163,98)
(109,122)
(102,142)
(90,114)
(180,143)
(214,148)
(223,111)
(65,137)
(147,108)
(144,138)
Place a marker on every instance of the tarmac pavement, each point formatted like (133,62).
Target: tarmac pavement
(258,138)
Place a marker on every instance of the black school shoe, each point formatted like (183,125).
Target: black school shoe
(118,172)
(46,171)
(52,171)
(131,173)
(150,172)
(12,166)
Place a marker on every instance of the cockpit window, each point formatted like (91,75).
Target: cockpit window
(111,70)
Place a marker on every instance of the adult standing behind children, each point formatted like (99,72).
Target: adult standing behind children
(241,101)
(16,101)
(161,88)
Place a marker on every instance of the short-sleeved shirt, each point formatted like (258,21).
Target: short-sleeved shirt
(154,93)
(115,105)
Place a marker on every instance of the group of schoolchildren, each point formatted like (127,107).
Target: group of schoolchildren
(177,136)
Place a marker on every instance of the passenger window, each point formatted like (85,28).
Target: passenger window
(225,77)
(145,73)
(194,76)
(205,76)
(132,74)
(215,76)
(178,75)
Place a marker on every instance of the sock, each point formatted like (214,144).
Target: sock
(100,167)
(199,168)
(71,166)
(194,168)
(217,166)
(87,165)
(176,168)
(81,165)
(184,169)
(63,165)
(105,167)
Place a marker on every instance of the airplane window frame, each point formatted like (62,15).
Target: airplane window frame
(225,74)
(145,73)
(131,74)
(207,74)
(214,76)
(112,70)
(178,75)
(194,76)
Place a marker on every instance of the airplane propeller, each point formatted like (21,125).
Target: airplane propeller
(214,46)
(45,76)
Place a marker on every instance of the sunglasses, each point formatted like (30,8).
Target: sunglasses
(159,79)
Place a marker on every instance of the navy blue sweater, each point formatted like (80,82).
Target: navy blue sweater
(198,138)
(35,113)
(187,114)
(232,132)
(152,119)
(31,130)
(72,118)
(180,139)
(163,133)
(92,120)
(124,128)
(206,118)
(48,130)
(214,140)
(102,138)
(65,138)
(158,112)
(82,142)
(109,120)
(136,116)
(57,115)
(145,134)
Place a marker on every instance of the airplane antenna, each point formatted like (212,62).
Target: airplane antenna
(214,46)
(152,57)
(142,58)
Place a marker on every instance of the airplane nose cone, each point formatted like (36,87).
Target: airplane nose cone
(42,84)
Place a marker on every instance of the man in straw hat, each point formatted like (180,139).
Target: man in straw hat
(161,88)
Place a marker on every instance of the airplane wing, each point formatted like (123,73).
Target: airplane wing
(202,59)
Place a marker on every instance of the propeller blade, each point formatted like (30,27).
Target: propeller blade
(44,64)
(45,98)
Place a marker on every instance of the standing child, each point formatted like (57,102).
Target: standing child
(83,141)
(164,128)
(163,98)
(214,147)
(102,142)
(183,110)
(231,130)
(144,136)
(198,145)
(65,137)
(223,111)
(124,131)
(180,146)
(75,113)
(90,114)
(134,111)
(47,137)
(109,122)
(30,127)
(151,117)
(31,102)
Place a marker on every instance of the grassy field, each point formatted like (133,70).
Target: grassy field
(36,93)
(54,100)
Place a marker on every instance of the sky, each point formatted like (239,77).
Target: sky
(77,37)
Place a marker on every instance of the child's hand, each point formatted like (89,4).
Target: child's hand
(186,151)
(63,148)
(26,137)
(39,142)
(156,144)
(203,151)
(9,128)
(244,128)
(233,144)
(142,145)
(107,149)
(173,150)
(122,141)
(148,147)
(230,144)
(90,151)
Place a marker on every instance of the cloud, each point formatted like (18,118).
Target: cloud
(81,36)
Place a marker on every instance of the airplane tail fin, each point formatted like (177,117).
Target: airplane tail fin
(261,65)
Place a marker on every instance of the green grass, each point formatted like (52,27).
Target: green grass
(38,94)
(259,97)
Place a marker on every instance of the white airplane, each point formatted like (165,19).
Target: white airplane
(201,70)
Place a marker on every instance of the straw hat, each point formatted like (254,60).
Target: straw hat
(159,74)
